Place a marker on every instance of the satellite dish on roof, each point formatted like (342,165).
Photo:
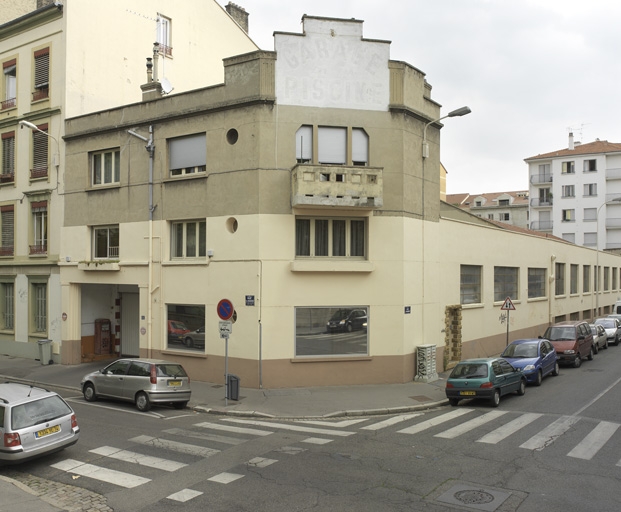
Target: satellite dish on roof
(166,86)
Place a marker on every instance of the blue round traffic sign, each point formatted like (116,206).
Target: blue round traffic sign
(225,309)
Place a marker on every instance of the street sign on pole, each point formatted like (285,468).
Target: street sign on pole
(508,307)
(225,309)
(226,328)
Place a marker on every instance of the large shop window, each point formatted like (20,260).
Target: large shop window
(339,237)
(186,327)
(331,331)
(188,155)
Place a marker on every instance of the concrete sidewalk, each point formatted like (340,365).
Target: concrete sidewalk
(24,493)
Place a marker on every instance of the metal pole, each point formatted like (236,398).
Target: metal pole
(226,370)
(508,311)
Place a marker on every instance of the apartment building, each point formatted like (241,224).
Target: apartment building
(59,60)
(309,205)
(509,207)
(574,193)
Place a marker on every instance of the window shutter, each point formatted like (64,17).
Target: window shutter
(8,153)
(8,217)
(39,149)
(188,151)
(332,144)
(42,68)
(38,206)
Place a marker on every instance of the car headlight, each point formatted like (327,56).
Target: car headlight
(529,367)
(342,322)
(569,352)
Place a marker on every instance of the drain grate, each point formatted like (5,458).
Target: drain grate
(474,497)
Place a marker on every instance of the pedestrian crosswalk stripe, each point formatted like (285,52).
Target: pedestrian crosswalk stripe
(225,478)
(205,436)
(110,476)
(184,495)
(138,458)
(327,423)
(593,442)
(175,446)
(316,440)
(237,430)
(391,421)
(290,450)
(260,462)
(470,425)
(419,427)
(289,426)
(549,434)
(510,428)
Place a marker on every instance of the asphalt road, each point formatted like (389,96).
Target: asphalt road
(558,448)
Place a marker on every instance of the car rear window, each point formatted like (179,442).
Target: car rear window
(521,350)
(38,411)
(561,333)
(469,371)
(170,370)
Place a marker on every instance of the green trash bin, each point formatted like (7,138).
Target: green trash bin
(45,351)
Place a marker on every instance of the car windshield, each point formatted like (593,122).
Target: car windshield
(469,371)
(38,411)
(170,370)
(606,324)
(521,350)
(560,333)
(341,314)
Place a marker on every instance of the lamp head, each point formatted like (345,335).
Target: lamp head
(28,124)
(459,112)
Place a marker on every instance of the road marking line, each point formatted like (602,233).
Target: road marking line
(296,428)
(593,442)
(495,436)
(290,450)
(138,458)
(110,476)
(391,421)
(184,495)
(337,424)
(549,434)
(191,449)
(419,427)
(260,462)
(316,440)
(225,478)
(454,432)
(230,428)
(204,436)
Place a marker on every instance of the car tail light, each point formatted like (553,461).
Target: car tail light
(486,385)
(449,385)
(11,440)
(74,421)
(153,374)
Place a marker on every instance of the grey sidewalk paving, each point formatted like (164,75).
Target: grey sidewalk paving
(315,402)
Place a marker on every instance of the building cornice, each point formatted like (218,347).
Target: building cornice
(31,20)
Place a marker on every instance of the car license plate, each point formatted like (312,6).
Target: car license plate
(47,431)
(174,383)
(467,393)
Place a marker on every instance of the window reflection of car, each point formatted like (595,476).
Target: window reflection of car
(347,320)
(195,338)
(176,331)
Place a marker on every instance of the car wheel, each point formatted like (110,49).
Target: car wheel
(616,342)
(453,401)
(539,378)
(591,353)
(606,344)
(595,348)
(496,398)
(179,405)
(189,342)
(522,389)
(349,328)
(557,370)
(89,392)
(143,404)
(577,361)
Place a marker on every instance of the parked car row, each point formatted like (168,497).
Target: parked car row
(530,360)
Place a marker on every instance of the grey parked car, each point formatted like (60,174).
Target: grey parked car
(34,422)
(600,338)
(141,381)
(613,328)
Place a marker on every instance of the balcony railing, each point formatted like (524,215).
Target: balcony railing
(7,177)
(541,225)
(113,252)
(337,185)
(165,50)
(41,94)
(7,250)
(7,104)
(541,179)
(541,202)
(38,249)
(38,173)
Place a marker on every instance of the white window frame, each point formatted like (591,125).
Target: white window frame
(331,237)
(41,76)
(9,69)
(568,167)
(39,212)
(304,144)
(109,235)
(587,165)
(187,237)
(187,154)
(359,147)
(105,167)
(568,191)
(590,189)
(568,215)
(163,36)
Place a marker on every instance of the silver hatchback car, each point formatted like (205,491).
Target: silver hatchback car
(34,422)
(141,381)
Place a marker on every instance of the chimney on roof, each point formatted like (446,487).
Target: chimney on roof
(571,140)
(152,89)
(238,14)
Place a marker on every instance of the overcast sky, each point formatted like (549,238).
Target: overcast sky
(530,70)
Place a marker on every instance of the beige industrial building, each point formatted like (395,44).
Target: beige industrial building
(303,191)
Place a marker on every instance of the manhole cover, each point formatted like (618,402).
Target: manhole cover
(474,497)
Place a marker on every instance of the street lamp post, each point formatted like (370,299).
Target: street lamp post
(454,113)
(597,285)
